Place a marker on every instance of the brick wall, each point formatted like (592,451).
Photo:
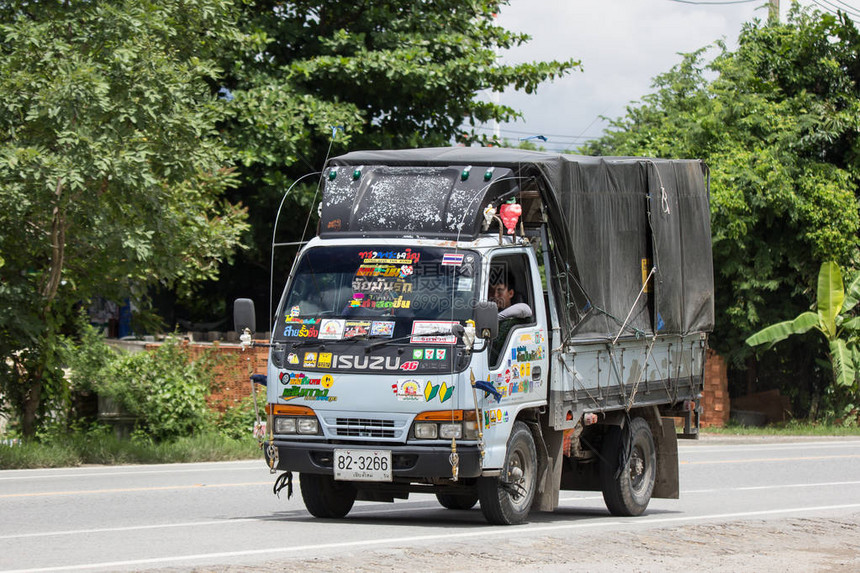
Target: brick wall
(232,383)
(715,396)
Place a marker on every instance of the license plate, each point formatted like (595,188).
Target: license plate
(362,465)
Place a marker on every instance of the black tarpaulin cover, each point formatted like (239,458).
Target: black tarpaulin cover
(612,220)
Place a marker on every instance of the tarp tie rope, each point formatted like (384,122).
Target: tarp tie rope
(635,302)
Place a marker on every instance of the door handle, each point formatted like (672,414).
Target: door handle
(536,373)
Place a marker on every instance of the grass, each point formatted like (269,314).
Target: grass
(105,448)
(793,428)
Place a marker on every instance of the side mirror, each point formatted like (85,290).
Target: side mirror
(244,315)
(487,319)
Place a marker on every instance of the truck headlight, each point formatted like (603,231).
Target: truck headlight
(426,430)
(448,431)
(285,425)
(308,426)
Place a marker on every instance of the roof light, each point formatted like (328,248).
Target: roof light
(332,174)
(465,174)
(488,174)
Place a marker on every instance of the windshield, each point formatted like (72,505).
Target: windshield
(349,292)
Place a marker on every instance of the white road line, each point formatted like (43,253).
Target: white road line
(113,471)
(721,448)
(374,508)
(411,540)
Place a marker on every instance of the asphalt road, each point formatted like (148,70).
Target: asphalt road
(217,515)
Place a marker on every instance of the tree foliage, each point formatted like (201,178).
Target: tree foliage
(111,172)
(319,77)
(778,121)
(835,319)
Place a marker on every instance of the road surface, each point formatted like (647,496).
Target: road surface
(752,503)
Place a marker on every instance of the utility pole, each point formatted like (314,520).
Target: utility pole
(773,12)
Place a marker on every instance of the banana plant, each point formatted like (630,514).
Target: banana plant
(833,318)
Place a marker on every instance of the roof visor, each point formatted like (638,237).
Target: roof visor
(407,201)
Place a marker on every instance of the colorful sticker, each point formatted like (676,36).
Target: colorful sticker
(332,329)
(432,332)
(418,354)
(303,329)
(409,366)
(327,381)
(443,391)
(324,360)
(493,417)
(293,358)
(382,328)
(449,259)
(295,311)
(403,257)
(310,360)
(407,390)
(355,328)
(309,394)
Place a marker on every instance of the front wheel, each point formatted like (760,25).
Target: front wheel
(628,468)
(325,497)
(507,499)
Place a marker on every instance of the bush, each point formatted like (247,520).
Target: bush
(164,388)
(238,420)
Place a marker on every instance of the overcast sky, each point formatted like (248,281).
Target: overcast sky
(622,44)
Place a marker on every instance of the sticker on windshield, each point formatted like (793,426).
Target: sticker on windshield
(382,328)
(355,328)
(452,259)
(332,329)
(433,332)
(295,311)
(303,329)
(464,284)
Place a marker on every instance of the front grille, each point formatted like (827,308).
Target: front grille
(364,427)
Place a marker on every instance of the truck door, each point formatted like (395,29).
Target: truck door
(519,356)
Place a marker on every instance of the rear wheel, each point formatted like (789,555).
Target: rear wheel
(628,468)
(325,497)
(507,499)
(459,501)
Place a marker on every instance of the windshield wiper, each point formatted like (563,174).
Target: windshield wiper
(458,332)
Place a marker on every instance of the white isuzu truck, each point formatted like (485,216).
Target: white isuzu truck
(492,325)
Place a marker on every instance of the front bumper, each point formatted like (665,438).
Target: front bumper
(410,462)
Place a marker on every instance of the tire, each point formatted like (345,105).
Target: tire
(460,501)
(325,497)
(507,499)
(628,491)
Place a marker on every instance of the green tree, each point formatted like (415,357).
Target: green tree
(111,171)
(382,73)
(778,121)
(834,319)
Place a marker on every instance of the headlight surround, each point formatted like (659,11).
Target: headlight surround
(446,425)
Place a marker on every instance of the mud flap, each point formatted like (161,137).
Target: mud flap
(550,460)
(666,484)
